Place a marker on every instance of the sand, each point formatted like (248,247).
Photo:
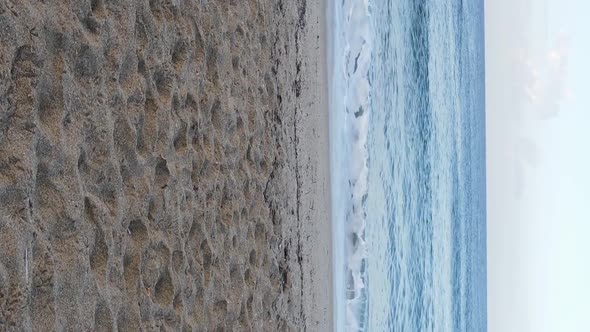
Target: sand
(164,166)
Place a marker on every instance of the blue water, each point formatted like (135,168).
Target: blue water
(408,164)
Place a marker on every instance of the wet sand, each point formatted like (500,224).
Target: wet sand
(164,165)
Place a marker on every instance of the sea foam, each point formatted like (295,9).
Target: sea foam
(350,100)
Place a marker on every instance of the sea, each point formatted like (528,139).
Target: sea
(407,145)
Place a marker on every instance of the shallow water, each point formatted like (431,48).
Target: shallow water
(408,165)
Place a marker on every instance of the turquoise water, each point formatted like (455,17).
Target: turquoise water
(408,165)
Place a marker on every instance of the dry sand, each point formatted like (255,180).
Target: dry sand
(164,166)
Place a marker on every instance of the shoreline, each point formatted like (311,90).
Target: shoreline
(313,137)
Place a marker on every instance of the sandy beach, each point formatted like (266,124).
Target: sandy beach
(164,165)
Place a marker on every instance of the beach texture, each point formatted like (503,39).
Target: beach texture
(164,166)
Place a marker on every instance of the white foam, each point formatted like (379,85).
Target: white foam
(349,122)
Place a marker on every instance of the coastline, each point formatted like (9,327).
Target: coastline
(313,137)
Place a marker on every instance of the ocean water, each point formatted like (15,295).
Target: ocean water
(407,128)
